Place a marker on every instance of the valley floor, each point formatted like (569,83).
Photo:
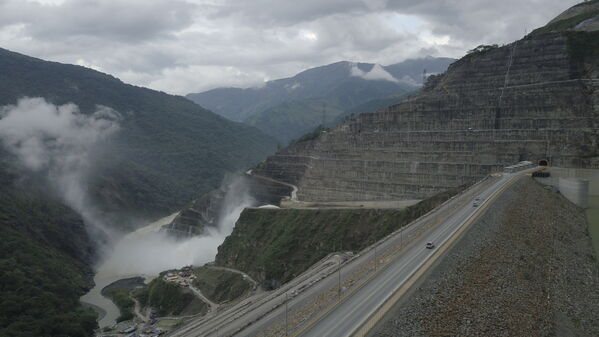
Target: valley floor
(525,268)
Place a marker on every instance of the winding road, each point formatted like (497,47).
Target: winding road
(357,305)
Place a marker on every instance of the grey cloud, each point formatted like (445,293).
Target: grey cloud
(267,12)
(475,21)
(135,20)
(192,45)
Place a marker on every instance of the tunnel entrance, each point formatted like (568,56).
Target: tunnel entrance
(543,162)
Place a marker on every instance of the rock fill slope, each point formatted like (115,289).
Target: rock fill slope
(525,268)
(535,99)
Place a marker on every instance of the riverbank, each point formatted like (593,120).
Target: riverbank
(107,311)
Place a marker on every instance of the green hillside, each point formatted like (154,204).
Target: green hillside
(169,150)
(290,120)
(43,256)
(276,245)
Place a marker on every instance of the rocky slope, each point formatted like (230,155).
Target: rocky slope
(534,99)
(525,268)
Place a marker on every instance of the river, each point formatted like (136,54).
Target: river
(146,252)
(108,312)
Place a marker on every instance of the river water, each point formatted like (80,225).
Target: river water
(147,251)
(105,275)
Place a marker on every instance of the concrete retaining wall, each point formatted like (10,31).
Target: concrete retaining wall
(575,190)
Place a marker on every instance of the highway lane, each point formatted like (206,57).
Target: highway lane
(249,310)
(349,315)
(365,257)
(267,309)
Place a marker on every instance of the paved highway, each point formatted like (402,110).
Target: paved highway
(254,315)
(349,315)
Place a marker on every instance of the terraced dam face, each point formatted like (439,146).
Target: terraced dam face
(535,99)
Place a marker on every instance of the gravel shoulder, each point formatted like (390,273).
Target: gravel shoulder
(525,268)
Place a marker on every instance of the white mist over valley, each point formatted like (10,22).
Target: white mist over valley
(149,251)
(59,142)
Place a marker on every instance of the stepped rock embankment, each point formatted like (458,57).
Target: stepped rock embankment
(525,268)
(534,99)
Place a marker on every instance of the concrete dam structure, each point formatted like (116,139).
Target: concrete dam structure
(575,190)
(536,99)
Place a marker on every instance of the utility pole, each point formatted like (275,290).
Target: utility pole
(339,279)
(286,331)
(375,261)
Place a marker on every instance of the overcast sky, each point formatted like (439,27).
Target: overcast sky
(183,46)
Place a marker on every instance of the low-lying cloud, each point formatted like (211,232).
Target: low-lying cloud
(377,73)
(59,142)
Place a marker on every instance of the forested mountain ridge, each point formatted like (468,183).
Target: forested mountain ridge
(164,152)
(168,149)
(289,107)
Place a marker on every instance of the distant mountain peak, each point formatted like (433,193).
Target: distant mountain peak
(286,108)
(376,73)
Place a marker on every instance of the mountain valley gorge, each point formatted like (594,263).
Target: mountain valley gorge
(310,171)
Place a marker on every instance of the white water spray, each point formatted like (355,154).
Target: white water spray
(149,251)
